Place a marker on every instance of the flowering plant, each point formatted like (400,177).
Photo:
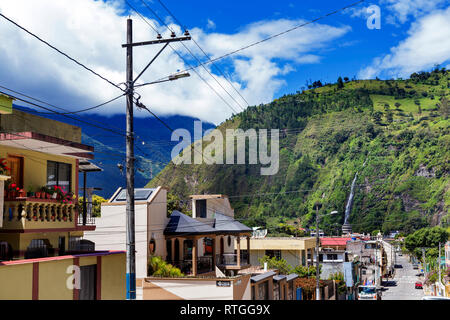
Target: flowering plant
(3,166)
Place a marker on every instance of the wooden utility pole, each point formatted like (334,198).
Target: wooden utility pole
(130,83)
(131,245)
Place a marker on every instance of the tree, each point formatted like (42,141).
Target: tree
(96,204)
(397,105)
(340,83)
(346,79)
(159,268)
(389,117)
(376,116)
(273,263)
(444,107)
(425,238)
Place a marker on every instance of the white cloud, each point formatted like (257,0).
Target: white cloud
(402,10)
(427,44)
(93,31)
(211,25)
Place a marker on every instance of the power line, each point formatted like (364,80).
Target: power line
(181,57)
(61,52)
(274,36)
(206,55)
(192,54)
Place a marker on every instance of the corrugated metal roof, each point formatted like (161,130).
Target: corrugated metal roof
(279,277)
(292,276)
(180,223)
(225,223)
(263,276)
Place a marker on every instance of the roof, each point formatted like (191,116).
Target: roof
(225,223)
(291,276)
(208,196)
(86,166)
(279,277)
(47,144)
(180,223)
(263,276)
(334,241)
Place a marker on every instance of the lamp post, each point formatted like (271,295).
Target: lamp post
(318,205)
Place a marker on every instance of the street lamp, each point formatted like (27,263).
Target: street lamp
(172,77)
(318,205)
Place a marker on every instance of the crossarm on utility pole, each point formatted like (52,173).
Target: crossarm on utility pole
(148,65)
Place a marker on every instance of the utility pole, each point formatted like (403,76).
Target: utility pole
(424,265)
(317,253)
(130,83)
(439,266)
(131,245)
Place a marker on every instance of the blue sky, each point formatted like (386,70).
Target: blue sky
(414,36)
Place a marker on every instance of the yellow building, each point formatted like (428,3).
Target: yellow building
(41,230)
(296,251)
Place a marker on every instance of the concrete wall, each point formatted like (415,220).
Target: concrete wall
(35,165)
(291,256)
(110,233)
(48,278)
(197,289)
(150,219)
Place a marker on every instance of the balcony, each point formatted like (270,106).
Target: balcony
(32,213)
(229,261)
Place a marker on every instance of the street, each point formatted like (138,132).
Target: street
(402,286)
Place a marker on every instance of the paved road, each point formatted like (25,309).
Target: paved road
(402,287)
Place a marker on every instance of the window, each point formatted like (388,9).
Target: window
(59,174)
(140,194)
(200,208)
(320,257)
(273,253)
(332,256)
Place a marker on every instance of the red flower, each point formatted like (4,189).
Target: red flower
(17,188)
(13,185)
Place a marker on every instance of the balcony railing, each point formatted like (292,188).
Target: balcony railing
(22,213)
(90,220)
(230,259)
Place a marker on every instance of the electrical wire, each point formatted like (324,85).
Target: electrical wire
(182,58)
(206,55)
(61,52)
(273,36)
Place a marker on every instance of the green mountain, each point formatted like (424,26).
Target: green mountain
(393,133)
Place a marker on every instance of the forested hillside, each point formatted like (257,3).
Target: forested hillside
(394,133)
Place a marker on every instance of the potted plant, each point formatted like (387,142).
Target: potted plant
(4,169)
(30,191)
(22,193)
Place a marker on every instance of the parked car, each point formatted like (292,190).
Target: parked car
(415,266)
(434,298)
(418,285)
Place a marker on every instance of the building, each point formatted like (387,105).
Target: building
(296,251)
(41,229)
(198,245)
(373,260)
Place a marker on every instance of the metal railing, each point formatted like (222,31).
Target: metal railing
(230,259)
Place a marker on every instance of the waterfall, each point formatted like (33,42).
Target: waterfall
(348,207)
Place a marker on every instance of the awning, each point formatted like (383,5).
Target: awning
(86,166)
(263,276)
(46,144)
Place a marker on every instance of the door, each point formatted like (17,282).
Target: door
(62,246)
(16,165)
(88,281)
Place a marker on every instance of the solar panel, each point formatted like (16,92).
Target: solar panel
(139,195)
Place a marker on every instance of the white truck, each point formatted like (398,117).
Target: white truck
(369,292)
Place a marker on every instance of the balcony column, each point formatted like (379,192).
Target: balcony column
(248,250)
(238,241)
(194,257)
(214,253)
